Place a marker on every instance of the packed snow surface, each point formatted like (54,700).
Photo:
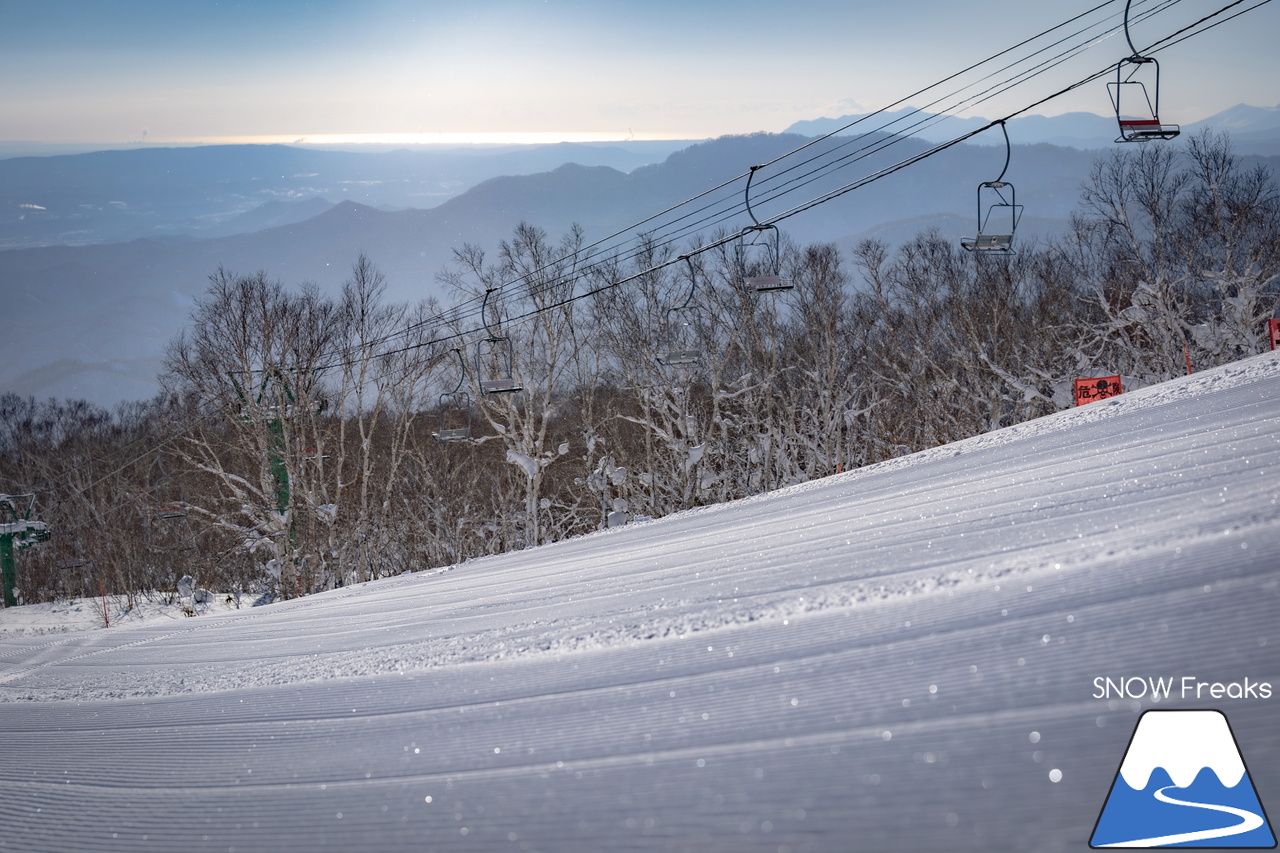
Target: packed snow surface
(905,657)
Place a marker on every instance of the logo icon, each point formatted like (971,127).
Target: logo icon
(1182,783)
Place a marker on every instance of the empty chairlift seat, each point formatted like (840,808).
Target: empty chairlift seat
(998,213)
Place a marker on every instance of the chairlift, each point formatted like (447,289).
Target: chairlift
(998,212)
(169,532)
(680,344)
(758,253)
(168,506)
(494,358)
(455,406)
(1137,107)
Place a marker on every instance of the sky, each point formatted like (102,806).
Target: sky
(85,71)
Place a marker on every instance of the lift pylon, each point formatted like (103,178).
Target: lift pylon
(18,532)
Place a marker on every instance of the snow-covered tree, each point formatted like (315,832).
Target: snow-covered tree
(540,277)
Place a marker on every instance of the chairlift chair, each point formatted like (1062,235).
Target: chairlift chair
(493,364)
(1137,109)
(494,359)
(169,531)
(680,343)
(455,406)
(169,501)
(758,252)
(996,227)
(998,212)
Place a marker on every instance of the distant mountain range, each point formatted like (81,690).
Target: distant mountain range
(219,190)
(1254,130)
(91,320)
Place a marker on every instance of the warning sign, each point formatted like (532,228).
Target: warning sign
(1273,332)
(1097,388)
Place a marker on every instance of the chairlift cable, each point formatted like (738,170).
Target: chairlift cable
(899,102)
(1185,32)
(1164,43)
(882,144)
(1168,41)
(1174,38)
(889,107)
(457,312)
(946,110)
(1160,45)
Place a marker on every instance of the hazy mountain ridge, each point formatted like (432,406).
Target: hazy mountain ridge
(114,196)
(116,304)
(1255,130)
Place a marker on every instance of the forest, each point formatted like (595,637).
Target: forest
(305,440)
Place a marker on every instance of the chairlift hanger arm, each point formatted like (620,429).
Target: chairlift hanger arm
(1008,152)
(747,195)
(693,281)
(484,313)
(1133,51)
(462,369)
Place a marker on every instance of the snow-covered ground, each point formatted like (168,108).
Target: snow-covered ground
(897,658)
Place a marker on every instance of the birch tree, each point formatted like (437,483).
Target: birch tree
(540,277)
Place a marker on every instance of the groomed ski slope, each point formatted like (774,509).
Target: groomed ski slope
(900,658)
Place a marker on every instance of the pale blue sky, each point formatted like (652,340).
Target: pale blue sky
(114,71)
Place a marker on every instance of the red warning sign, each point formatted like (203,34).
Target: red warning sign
(1273,332)
(1097,388)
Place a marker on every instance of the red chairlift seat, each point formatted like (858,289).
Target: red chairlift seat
(1137,108)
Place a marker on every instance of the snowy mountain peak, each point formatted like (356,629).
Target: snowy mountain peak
(1183,743)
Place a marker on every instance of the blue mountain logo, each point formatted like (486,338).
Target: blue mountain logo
(1182,783)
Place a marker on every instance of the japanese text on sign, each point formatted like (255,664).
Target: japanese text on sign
(1097,388)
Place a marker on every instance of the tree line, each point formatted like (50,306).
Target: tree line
(295,445)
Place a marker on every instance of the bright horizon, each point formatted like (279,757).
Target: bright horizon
(451,138)
(442,138)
